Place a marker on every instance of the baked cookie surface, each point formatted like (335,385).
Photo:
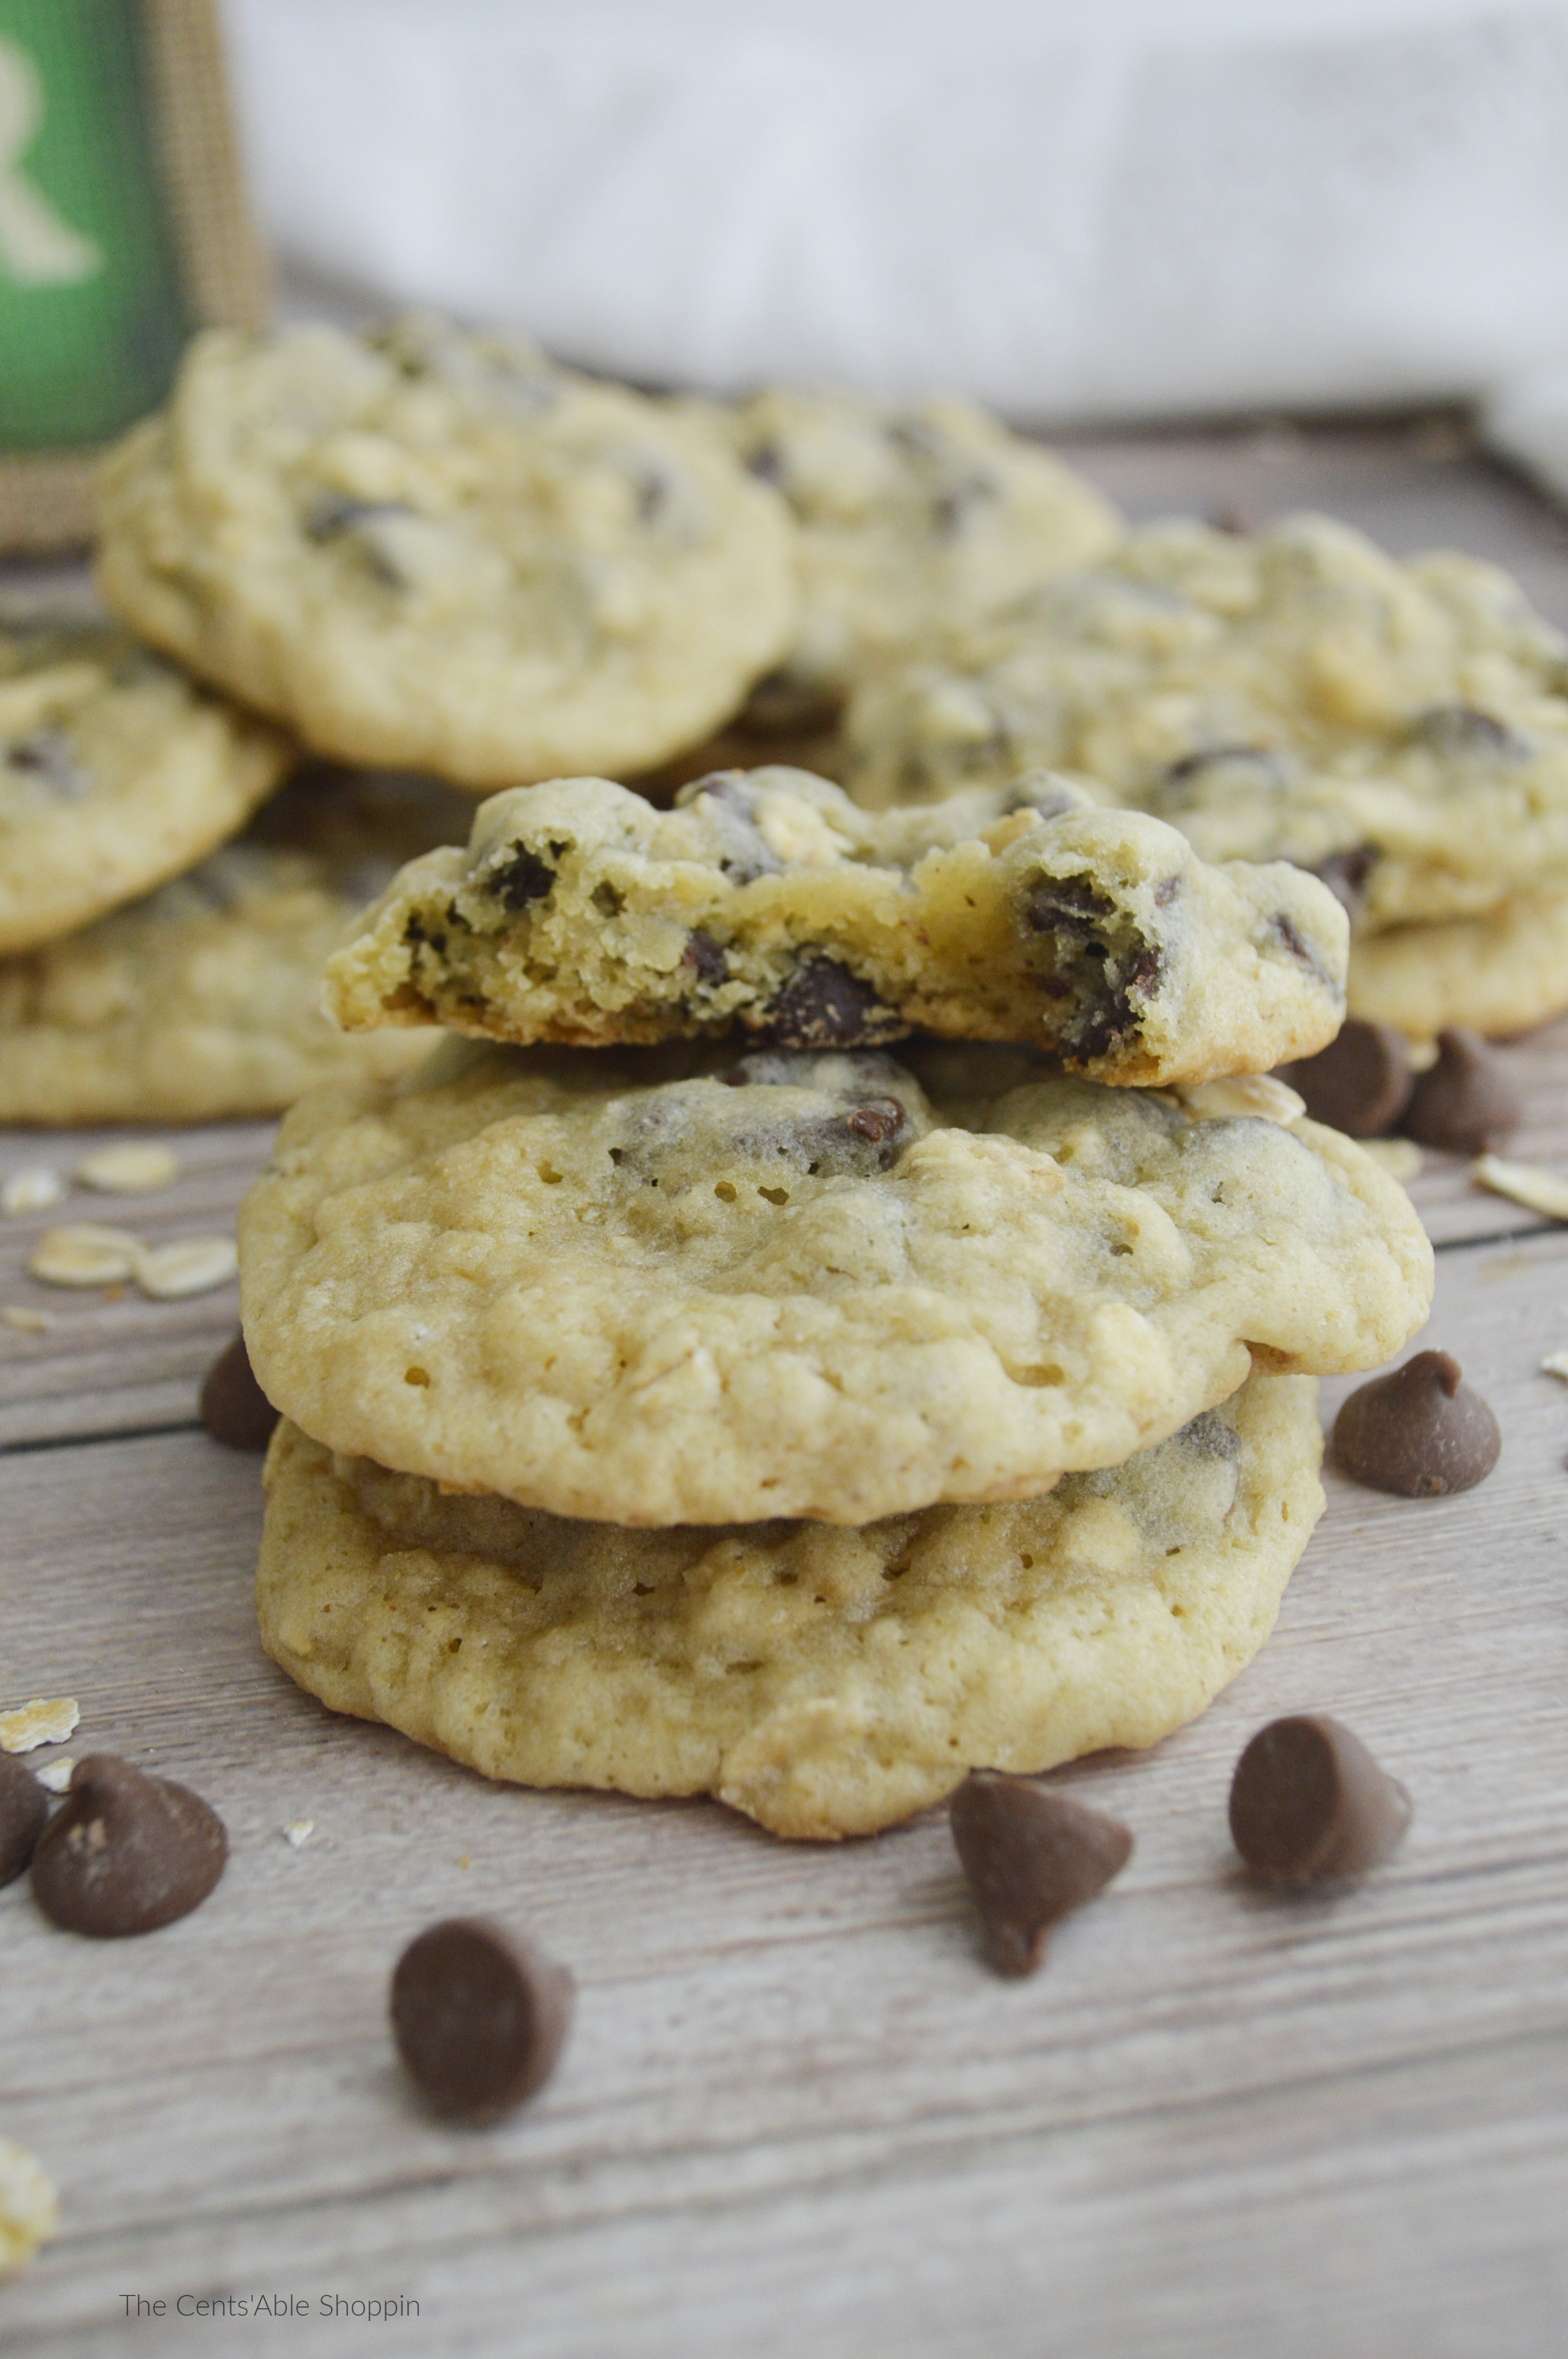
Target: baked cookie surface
(432,550)
(803,1285)
(202,1001)
(115,772)
(1501,974)
(907,518)
(1402,729)
(826,1682)
(766,903)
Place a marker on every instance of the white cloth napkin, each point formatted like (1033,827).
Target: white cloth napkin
(1133,209)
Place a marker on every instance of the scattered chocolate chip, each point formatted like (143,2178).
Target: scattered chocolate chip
(524,877)
(1308,1806)
(1360,1083)
(1467,1101)
(235,1409)
(479,2016)
(126,1853)
(1030,1855)
(1460,729)
(1418,1431)
(24,1807)
(1346,875)
(705,957)
(824,1005)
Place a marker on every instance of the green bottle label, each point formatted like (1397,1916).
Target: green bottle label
(92,320)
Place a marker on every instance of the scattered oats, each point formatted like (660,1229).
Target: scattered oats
(30,2207)
(54,1775)
(33,1190)
(1402,1158)
(191,1266)
(297,1832)
(82,1254)
(1253,1094)
(32,1322)
(1555,1365)
(135,1169)
(48,1720)
(463,1860)
(1525,1183)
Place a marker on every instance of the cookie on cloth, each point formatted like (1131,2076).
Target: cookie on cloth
(1501,974)
(766,903)
(797,1284)
(202,1001)
(826,1682)
(909,518)
(1402,729)
(431,549)
(115,772)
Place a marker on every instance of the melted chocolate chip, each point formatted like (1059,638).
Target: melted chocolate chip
(705,957)
(1030,1855)
(1308,1806)
(479,2015)
(1467,1101)
(1109,1018)
(24,1807)
(1166,891)
(1213,757)
(1296,942)
(824,1005)
(126,1853)
(1346,875)
(743,855)
(235,1409)
(521,879)
(335,513)
(1209,1436)
(1419,1431)
(1067,905)
(1460,729)
(1360,1083)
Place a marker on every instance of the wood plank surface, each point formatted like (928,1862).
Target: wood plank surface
(797,2110)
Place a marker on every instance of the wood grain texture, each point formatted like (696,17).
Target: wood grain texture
(797,2110)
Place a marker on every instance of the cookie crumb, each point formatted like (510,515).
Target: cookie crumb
(190,1265)
(81,1254)
(1523,1183)
(48,1720)
(134,1168)
(29,1322)
(29,2206)
(32,1190)
(297,1832)
(54,1775)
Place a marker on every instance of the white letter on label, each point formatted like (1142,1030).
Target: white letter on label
(37,248)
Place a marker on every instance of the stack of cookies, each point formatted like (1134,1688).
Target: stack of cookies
(1399,730)
(839,1307)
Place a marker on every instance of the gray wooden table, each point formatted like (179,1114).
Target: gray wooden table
(797,2114)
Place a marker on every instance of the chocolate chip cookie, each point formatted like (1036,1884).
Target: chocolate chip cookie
(826,1682)
(430,549)
(767,904)
(794,1283)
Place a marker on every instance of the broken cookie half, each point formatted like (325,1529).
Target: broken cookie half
(766,903)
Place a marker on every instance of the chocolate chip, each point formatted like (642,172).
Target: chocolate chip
(1067,905)
(1213,757)
(47,757)
(765,461)
(524,878)
(824,1006)
(235,1409)
(1109,1018)
(1419,1431)
(705,957)
(335,513)
(876,1123)
(479,2016)
(126,1853)
(952,508)
(1467,1101)
(1346,875)
(1308,1806)
(24,1807)
(1460,729)
(1360,1083)
(1029,1856)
